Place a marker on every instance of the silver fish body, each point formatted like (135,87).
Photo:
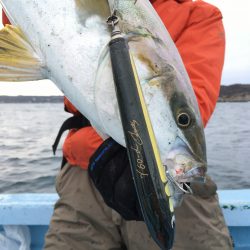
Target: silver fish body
(70,40)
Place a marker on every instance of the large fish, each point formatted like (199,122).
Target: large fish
(67,42)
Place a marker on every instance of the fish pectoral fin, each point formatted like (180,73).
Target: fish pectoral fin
(18,59)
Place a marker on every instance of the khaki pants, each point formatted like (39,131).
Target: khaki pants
(82,221)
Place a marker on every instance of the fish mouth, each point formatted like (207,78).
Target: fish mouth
(183,168)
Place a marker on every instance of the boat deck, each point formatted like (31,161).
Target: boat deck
(35,210)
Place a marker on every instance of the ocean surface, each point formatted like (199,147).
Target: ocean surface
(27,132)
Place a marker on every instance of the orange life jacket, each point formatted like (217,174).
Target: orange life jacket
(197,30)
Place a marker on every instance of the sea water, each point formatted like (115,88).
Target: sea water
(27,132)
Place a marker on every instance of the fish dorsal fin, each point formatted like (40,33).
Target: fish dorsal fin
(18,60)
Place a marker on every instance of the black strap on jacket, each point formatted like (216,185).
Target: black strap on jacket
(76,121)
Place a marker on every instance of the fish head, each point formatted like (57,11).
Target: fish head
(170,87)
(186,160)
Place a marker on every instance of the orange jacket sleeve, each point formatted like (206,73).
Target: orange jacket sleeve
(69,107)
(202,47)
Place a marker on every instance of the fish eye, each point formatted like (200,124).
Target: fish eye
(183,120)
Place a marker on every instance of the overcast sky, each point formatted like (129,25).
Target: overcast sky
(237,62)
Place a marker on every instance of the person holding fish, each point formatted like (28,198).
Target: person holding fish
(99,208)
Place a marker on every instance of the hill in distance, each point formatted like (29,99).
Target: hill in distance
(235,93)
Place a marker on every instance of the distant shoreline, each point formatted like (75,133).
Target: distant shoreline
(230,93)
(31,99)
